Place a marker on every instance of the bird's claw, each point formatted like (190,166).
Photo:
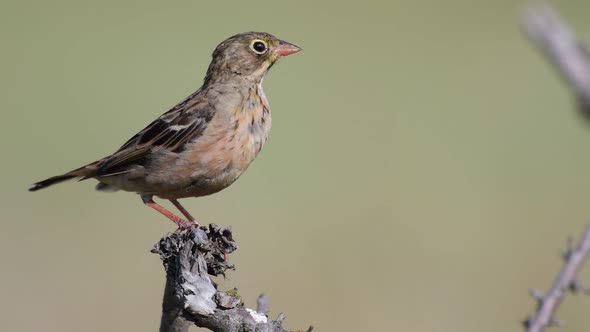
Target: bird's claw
(187,226)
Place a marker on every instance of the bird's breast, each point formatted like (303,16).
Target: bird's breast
(228,146)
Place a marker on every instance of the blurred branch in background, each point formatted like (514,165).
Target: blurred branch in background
(190,297)
(556,40)
(567,279)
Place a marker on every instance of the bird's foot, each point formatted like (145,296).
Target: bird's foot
(186,225)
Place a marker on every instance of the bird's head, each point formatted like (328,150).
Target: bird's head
(247,55)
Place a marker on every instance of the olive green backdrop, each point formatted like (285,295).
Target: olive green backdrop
(424,169)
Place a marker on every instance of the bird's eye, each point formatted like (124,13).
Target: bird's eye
(259,46)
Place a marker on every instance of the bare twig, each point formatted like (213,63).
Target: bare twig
(556,40)
(191,297)
(567,279)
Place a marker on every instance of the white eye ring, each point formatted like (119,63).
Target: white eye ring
(259,46)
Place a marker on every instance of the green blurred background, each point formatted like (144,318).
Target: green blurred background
(424,169)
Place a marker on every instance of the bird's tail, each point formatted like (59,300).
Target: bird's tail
(51,181)
(83,172)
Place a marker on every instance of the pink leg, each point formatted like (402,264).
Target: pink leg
(183,210)
(182,224)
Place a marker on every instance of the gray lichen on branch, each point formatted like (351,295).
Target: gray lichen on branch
(191,297)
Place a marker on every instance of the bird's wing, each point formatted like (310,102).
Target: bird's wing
(171,131)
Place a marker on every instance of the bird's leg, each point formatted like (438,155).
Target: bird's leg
(183,211)
(190,218)
(182,224)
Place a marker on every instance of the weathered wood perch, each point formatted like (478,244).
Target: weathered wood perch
(192,298)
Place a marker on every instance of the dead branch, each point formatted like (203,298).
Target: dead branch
(557,41)
(191,297)
(567,279)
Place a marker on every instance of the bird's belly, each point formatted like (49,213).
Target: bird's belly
(213,175)
(203,186)
(210,165)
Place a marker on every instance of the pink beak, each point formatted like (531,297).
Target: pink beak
(285,48)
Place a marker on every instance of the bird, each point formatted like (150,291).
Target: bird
(204,143)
